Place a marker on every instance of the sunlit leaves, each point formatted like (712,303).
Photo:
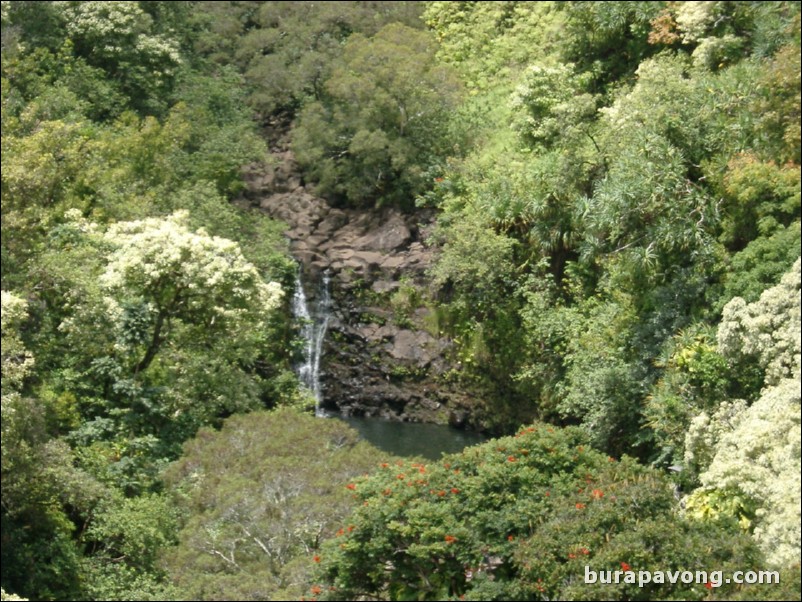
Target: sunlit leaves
(761,198)
(515,518)
(552,104)
(768,329)
(753,452)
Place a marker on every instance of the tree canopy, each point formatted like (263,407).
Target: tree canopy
(610,196)
(382,126)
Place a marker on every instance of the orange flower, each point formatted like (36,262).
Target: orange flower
(454,490)
(316,589)
(571,555)
(510,537)
(441,493)
(584,551)
(511,459)
(450,539)
(580,505)
(625,567)
(350,486)
(316,558)
(598,494)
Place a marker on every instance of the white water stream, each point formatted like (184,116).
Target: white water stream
(314,323)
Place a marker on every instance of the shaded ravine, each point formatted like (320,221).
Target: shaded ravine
(383,355)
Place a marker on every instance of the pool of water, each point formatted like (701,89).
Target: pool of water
(413,438)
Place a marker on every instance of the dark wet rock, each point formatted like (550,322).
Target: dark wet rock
(375,361)
(412,345)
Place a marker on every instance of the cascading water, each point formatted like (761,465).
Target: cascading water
(313,332)
(405,439)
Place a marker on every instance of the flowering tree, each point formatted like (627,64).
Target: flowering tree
(16,360)
(754,452)
(160,272)
(121,39)
(768,329)
(518,518)
(113,29)
(16,364)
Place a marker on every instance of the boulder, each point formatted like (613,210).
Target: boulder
(385,286)
(412,345)
(392,235)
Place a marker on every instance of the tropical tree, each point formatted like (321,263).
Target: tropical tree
(749,456)
(519,517)
(383,123)
(258,498)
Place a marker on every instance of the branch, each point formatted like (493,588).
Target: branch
(155,343)
(230,561)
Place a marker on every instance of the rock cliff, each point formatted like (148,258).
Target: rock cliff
(383,355)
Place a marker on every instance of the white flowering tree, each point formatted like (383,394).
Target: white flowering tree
(22,432)
(124,41)
(16,365)
(551,103)
(120,32)
(767,329)
(16,360)
(750,455)
(159,273)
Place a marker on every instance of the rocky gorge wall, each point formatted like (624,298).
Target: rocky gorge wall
(383,355)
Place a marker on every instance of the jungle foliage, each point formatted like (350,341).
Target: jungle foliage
(617,196)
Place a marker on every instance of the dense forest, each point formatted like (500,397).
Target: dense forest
(615,192)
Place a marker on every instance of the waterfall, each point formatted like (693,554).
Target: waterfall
(313,332)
